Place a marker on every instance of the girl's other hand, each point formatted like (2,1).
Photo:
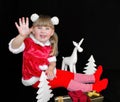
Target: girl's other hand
(50,74)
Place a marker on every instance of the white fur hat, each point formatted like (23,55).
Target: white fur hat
(54,19)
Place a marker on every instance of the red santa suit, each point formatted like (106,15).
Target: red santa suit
(36,57)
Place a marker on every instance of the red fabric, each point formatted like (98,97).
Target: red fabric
(100,85)
(98,73)
(78,96)
(33,56)
(62,79)
(36,84)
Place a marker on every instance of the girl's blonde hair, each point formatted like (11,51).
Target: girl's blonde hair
(45,20)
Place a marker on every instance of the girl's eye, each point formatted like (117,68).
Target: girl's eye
(47,28)
(39,27)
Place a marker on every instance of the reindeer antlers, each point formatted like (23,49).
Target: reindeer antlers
(81,41)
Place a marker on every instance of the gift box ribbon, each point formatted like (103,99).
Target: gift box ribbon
(93,93)
(60,99)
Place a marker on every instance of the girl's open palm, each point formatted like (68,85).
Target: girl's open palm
(23,26)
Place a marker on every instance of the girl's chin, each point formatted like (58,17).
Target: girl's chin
(43,41)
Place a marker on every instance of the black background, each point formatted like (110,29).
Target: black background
(97,21)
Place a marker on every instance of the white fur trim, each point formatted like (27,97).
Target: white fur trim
(18,50)
(33,80)
(55,20)
(34,17)
(43,67)
(52,59)
(30,81)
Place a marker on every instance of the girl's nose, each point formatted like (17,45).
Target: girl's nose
(43,30)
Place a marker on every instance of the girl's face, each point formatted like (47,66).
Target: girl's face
(42,33)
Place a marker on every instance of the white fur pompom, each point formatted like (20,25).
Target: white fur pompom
(34,17)
(55,20)
(43,67)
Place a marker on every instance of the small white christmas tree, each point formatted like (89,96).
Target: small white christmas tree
(90,66)
(44,91)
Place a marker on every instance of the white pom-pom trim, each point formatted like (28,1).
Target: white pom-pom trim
(55,20)
(43,67)
(34,17)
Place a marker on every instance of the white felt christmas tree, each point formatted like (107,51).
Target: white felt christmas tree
(90,66)
(44,91)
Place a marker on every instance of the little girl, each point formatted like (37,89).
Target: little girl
(39,47)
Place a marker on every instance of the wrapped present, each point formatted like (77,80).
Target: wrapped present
(97,98)
(65,98)
(93,96)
